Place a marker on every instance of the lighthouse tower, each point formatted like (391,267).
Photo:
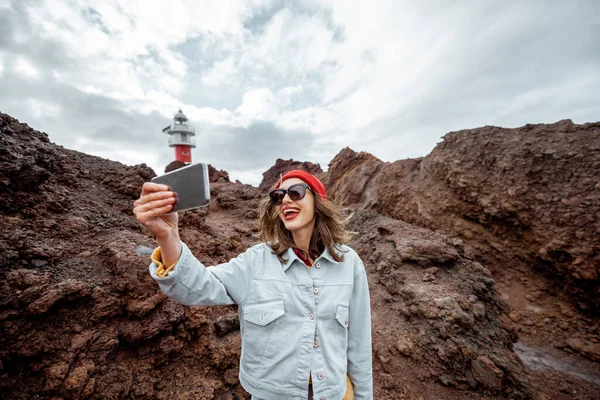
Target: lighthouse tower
(181,136)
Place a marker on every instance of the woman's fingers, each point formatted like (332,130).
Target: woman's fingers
(139,209)
(150,205)
(149,187)
(146,218)
(153,196)
(153,191)
(149,211)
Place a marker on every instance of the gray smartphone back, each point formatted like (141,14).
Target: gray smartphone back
(191,184)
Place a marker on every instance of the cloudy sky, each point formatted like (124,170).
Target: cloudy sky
(268,79)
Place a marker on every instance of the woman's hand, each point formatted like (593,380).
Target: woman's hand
(151,211)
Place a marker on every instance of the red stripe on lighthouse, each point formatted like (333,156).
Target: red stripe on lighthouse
(183,153)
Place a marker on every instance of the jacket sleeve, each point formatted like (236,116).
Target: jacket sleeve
(191,283)
(360,367)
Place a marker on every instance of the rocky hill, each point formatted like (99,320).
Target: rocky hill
(529,195)
(81,318)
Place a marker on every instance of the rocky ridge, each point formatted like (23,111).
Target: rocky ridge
(281,166)
(81,318)
(526,195)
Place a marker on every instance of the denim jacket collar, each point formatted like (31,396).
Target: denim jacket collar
(290,256)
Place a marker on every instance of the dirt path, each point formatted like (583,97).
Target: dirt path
(560,375)
(546,321)
(552,360)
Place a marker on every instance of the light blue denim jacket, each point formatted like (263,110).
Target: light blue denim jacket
(294,321)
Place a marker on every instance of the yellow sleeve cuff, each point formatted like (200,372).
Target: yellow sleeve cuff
(349,389)
(161,271)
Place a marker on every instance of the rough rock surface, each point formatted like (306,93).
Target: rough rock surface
(528,195)
(216,175)
(436,312)
(281,167)
(173,165)
(526,202)
(81,318)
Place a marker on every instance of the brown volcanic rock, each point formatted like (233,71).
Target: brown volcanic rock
(173,165)
(533,188)
(349,175)
(80,316)
(589,350)
(271,176)
(524,196)
(440,328)
(216,175)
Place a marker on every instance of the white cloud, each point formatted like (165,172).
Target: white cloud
(258,104)
(212,117)
(41,109)
(262,104)
(555,97)
(24,67)
(298,50)
(384,76)
(391,56)
(318,120)
(221,73)
(132,155)
(250,176)
(125,49)
(278,53)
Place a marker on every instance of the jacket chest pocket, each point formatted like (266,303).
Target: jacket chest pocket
(340,327)
(264,313)
(341,316)
(259,324)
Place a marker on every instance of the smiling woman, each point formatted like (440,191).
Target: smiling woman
(303,296)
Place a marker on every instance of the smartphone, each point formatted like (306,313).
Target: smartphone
(191,185)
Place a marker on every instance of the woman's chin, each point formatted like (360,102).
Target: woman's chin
(290,226)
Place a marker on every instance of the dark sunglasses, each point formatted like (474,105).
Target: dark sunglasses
(296,192)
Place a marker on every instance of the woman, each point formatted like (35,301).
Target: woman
(302,294)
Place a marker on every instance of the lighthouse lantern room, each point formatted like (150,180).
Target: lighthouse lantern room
(181,137)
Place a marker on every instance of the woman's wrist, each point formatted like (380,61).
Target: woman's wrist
(170,248)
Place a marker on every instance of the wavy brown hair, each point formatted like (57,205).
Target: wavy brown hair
(329,231)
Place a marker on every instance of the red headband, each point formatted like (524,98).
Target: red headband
(315,184)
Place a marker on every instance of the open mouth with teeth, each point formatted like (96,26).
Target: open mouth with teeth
(290,213)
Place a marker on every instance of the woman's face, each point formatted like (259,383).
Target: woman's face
(298,216)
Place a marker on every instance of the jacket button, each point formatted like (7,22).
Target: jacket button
(322,398)
(316,290)
(320,376)
(316,344)
(318,265)
(311,316)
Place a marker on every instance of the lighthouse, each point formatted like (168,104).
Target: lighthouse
(181,136)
